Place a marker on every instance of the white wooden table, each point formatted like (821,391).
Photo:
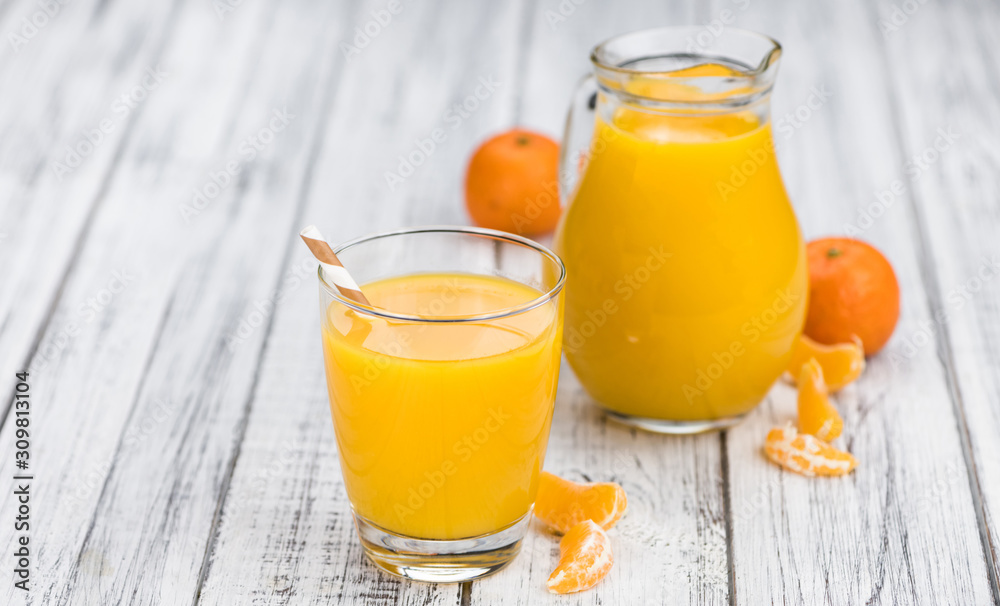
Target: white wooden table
(180,440)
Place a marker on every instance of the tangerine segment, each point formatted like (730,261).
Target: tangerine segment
(817,416)
(806,454)
(584,559)
(562,504)
(842,363)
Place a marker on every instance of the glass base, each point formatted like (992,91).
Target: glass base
(675,427)
(441,561)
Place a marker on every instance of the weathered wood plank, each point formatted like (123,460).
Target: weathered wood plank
(63,124)
(286,534)
(670,548)
(888,533)
(139,417)
(951,139)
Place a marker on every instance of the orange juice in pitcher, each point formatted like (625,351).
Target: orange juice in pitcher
(687,278)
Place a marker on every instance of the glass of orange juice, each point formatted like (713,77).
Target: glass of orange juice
(442,393)
(683,316)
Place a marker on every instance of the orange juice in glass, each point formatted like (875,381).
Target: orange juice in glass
(687,278)
(442,394)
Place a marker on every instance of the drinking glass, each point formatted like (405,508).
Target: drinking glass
(442,393)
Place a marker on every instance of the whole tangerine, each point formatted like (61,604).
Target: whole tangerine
(852,291)
(512,183)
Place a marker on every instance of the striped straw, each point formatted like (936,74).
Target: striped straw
(332,266)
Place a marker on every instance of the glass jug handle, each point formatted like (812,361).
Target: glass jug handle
(577,136)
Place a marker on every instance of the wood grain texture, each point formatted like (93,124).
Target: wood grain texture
(670,548)
(902,528)
(286,535)
(951,140)
(137,422)
(181,431)
(57,96)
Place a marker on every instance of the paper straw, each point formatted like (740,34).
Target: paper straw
(332,266)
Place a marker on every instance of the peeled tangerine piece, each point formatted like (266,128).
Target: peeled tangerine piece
(817,415)
(563,504)
(584,559)
(806,454)
(842,363)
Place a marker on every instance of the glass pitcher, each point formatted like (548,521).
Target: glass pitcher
(687,276)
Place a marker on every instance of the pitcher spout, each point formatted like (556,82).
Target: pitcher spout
(684,69)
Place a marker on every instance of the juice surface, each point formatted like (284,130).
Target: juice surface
(686,283)
(442,428)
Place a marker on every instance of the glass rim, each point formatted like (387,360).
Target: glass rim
(493,234)
(613,61)
(597,54)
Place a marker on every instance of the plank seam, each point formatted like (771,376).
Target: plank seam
(121,438)
(727,513)
(325,108)
(944,350)
(84,234)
